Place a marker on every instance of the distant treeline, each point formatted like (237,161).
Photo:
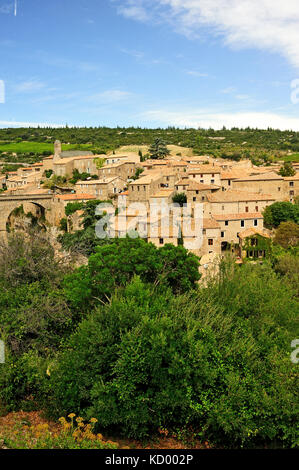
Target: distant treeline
(202,140)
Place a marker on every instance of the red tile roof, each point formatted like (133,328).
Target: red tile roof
(74,197)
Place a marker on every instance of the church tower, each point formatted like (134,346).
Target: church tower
(57,150)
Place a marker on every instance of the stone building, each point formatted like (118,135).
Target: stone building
(102,189)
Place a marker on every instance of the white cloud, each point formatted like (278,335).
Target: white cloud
(242,97)
(133,10)
(263,24)
(133,53)
(194,73)
(228,90)
(28,124)
(30,86)
(110,96)
(202,118)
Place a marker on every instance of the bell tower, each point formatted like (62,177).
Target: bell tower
(57,150)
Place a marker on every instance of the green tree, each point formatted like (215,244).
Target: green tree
(149,359)
(114,264)
(158,150)
(287,234)
(180,198)
(280,212)
(287,169)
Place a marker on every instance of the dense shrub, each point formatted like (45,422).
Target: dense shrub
(280,212)
(34,316)
(114,264)
(217,360)
(156,350)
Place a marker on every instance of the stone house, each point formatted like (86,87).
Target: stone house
(254,244)
(269,182)
(122,157)
(231,225)
(124,170)
(102,189)
(60,201)
(142,189)
(234,202)
(195,192)
(291,188)
(205,174)
(84,164)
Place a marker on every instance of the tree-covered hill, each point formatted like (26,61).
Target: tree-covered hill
(236,143)
(195,138)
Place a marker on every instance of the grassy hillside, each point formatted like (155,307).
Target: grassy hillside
(36,147)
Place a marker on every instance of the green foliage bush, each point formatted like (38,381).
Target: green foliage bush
(280,212)
(73,207)
(115,263)
(287,170)
(156,349)
(34,315)
(217,360)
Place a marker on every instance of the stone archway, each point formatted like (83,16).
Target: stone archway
(10,203)
(26,215)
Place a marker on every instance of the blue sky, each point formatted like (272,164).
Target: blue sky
(150,63)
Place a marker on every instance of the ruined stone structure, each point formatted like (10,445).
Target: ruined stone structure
(9,203)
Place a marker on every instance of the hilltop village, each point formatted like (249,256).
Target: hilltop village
(233,195)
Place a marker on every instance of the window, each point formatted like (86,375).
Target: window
(201,181)
(194,199)
(256,208)
(213,175)
(226,223)
(203,231)
(255,222)
(212,181)
(144,188)
(161,241)
(246,209)
(278,189)
(197,191)
(223,208)
(211,242)
(138,188)
(229,183)
(222,234)
(202,198)
(291,193)
(292,183)
(242,223)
